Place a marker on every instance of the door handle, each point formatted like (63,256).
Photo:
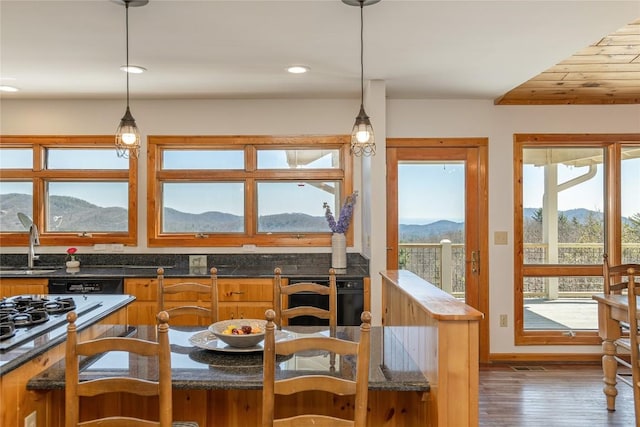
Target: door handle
(475,262)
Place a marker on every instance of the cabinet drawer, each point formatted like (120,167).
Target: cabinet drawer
(147,289)
(238,290)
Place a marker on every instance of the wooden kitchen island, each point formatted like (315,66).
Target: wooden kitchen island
(224,388)
(24,360)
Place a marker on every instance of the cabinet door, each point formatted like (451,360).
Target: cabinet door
(253,310)
(144,309)
(248,310)
(10,287)
(227,311)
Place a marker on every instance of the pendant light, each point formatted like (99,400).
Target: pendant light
(128,134)
(363,141)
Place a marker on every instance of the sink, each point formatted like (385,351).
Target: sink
(29,272)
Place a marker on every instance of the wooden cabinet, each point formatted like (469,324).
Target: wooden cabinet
(237,297)
(144,309)
(244,298)
(12,286)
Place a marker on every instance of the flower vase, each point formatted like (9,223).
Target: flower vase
(338,250)
(73,264)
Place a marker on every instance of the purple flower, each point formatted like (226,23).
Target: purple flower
(342,225)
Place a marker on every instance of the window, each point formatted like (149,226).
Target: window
(575,199)
(255,190)
(75,189)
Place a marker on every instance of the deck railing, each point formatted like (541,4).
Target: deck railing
(443,265)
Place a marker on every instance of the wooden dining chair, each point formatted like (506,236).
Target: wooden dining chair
(75,389)
(334,384)
(206,296)
(281,294)
(617,278)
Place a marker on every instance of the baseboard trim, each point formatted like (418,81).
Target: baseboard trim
(544,357)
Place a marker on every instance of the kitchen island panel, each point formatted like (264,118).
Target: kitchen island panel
(16,401)
(241,408)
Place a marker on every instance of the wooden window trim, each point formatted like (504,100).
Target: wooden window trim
(39,175)
(611,144)
(250,176)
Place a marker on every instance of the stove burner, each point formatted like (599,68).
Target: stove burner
(7,305)
(28,318)
(26,302)
(28,310)
(59,305)
(7,329)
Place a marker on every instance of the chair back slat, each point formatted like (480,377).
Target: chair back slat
(334,385)
(312,420)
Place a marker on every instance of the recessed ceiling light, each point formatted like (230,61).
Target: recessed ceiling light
(298,69)
(4,88)
(133,69)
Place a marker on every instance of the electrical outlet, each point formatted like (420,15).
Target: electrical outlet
(30,420)
(504,321)
(197,261)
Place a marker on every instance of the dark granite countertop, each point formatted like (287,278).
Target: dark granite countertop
(391,366)
(23,352)
(170,271)
(311,266)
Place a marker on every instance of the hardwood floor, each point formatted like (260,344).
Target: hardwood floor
(549,395)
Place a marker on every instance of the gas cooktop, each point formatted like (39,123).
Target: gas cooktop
(25,317)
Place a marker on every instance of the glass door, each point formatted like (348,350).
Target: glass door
(437,216)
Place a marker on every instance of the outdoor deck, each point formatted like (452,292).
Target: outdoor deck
(561,314)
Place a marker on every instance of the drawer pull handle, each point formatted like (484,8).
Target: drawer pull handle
(236,293)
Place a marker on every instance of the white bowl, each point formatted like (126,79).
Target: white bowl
(242,341)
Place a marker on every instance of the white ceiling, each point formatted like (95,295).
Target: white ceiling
(239,49)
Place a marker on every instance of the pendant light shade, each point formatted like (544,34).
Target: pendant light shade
(128,134)
(363,141)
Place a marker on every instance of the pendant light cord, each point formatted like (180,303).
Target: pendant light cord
(126,5)
(361,52)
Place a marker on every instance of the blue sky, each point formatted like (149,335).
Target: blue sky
(428,192)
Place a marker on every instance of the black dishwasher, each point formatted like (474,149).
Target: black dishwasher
(86,285)
(350,302)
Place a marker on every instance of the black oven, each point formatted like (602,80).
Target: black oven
(86,285)
(350,302)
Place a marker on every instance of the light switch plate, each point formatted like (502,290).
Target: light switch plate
(501,238)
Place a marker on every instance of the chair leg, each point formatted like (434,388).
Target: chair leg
(636,392)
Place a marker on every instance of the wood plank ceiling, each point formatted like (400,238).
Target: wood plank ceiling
(607,72)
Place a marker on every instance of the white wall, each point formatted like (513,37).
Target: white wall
(402,118)
(421,118)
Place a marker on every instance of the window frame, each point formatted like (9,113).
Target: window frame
(250,176)
(39,176)
(611,145)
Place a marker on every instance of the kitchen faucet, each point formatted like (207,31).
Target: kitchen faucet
(34,240)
